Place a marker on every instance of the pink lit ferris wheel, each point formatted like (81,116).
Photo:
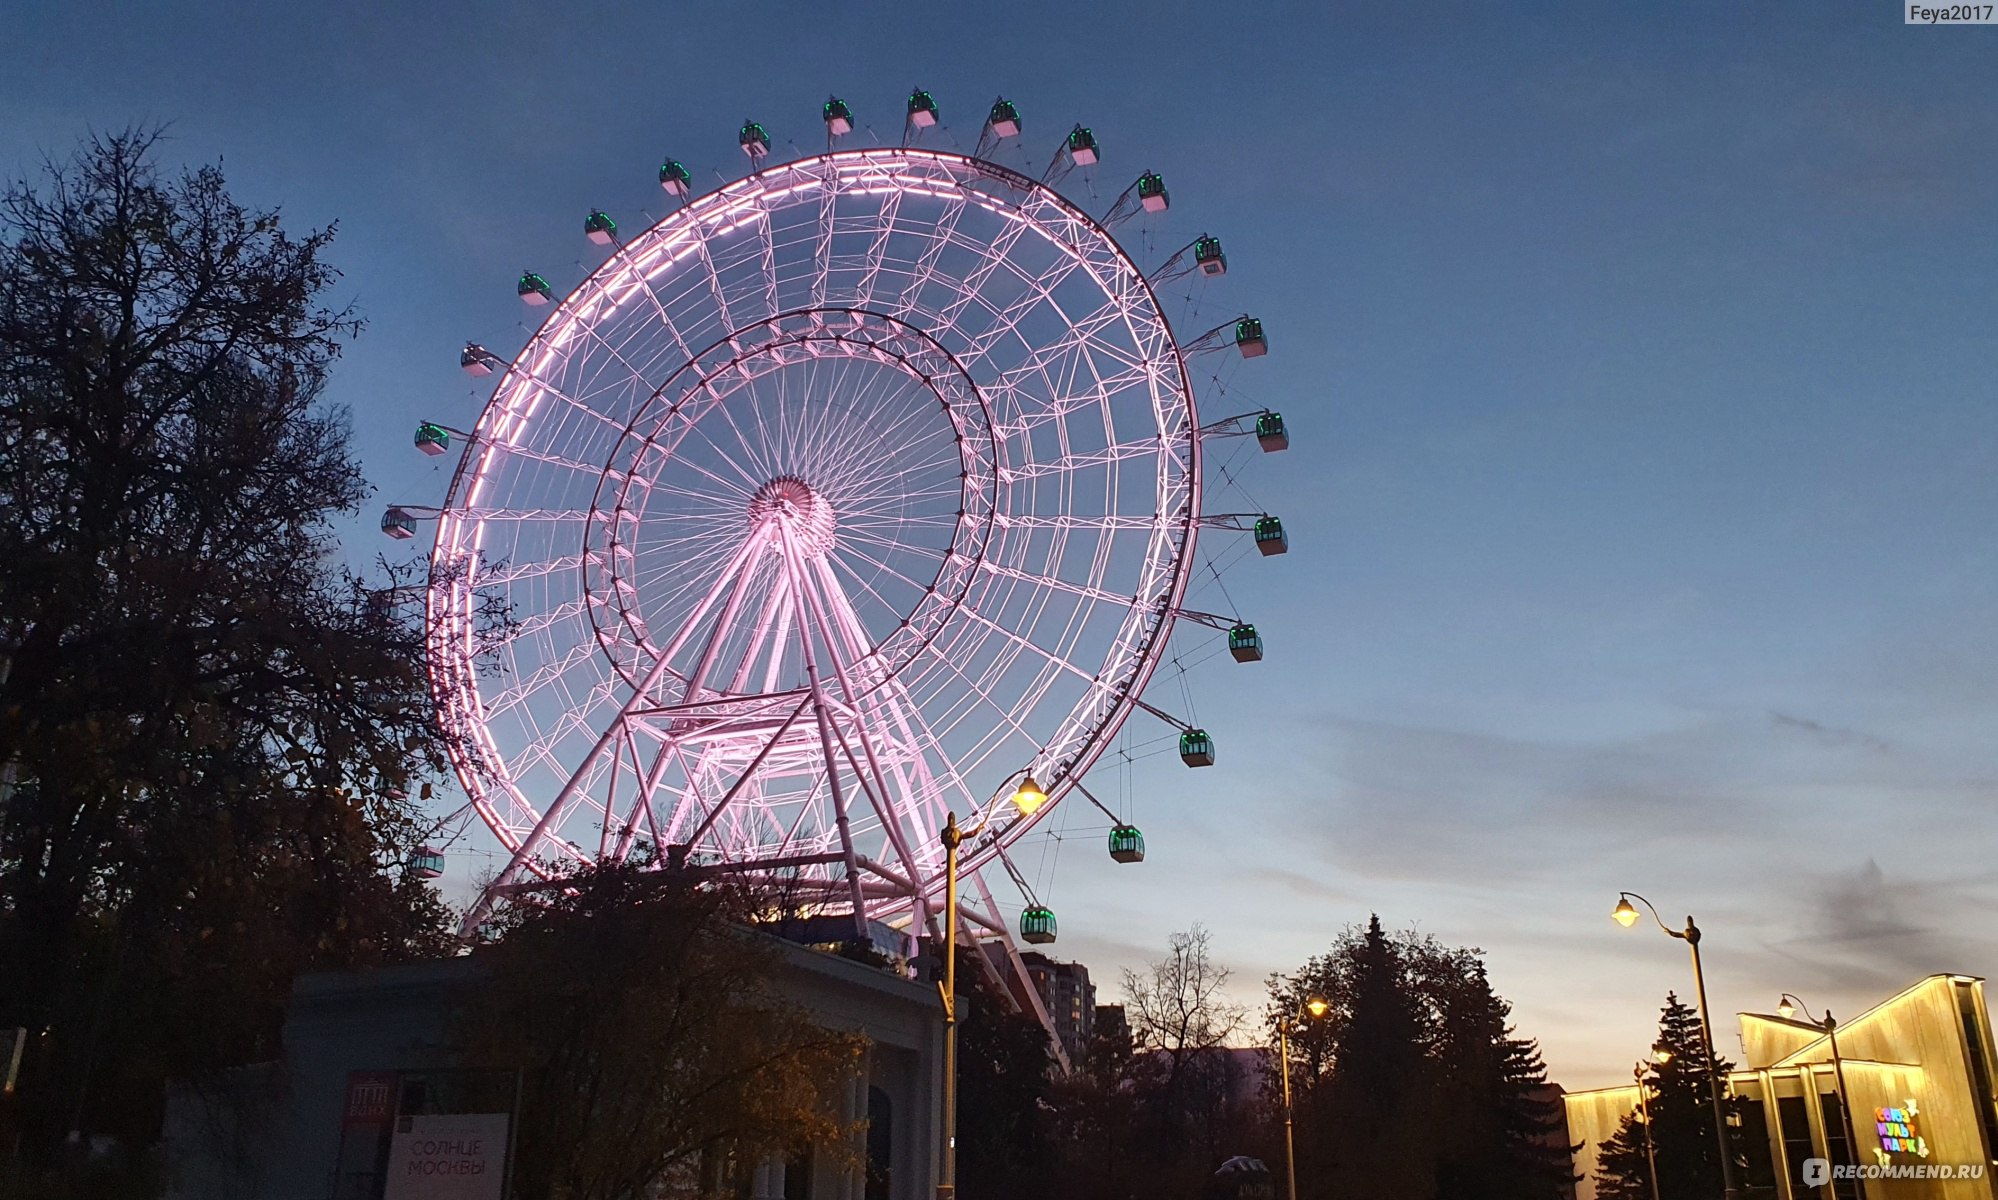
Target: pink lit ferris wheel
(842,497)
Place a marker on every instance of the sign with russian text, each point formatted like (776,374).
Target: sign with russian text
(447,1158)
(370,1098)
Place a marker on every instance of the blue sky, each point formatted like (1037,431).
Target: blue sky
(1640,362)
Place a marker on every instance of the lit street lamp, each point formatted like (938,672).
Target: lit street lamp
(1027,799)
(1788,1007)
(1626,915)
(1313,1007)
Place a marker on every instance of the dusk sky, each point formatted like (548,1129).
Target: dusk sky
(1641,362)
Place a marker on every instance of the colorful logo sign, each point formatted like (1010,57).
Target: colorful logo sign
(1899,1134)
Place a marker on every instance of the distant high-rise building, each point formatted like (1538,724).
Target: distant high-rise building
(1070,999)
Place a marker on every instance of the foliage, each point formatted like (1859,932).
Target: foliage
(207,729)
(1005,1093)
(654,1047)
(1412,1083)
(1682,1120)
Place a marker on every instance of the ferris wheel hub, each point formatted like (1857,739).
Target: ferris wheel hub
(792,510)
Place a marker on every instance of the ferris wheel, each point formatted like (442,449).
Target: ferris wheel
(853,493)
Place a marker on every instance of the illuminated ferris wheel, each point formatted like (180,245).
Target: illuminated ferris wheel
(850,494)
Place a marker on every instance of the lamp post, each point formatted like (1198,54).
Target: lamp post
(1659,1054)
(1313,1007)
(1788,1007)
(1027,798)
(1625,914)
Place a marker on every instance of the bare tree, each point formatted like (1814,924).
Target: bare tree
(1178,1008)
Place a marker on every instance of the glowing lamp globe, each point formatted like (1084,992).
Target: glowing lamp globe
(1029,798)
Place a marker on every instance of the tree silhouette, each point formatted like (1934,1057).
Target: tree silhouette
(208,731)
(1413,1083)
(1682,1121)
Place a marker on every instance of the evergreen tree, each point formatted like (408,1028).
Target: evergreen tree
(1412,1082)
(1682,1121)
(1375,1115)
(1503,1123)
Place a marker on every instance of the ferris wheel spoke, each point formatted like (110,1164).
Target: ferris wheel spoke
(714,282)
(865,707)
(908,719)
(820,707)
(643,282)
(526,515)
(531,378)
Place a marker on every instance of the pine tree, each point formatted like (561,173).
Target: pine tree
(1682,1121)
(1373,1129)
(1504,1125)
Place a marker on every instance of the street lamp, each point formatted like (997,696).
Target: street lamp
(1626,915)
(1788,1007)
(1644,1107)
(1313,1007)
(1027,800)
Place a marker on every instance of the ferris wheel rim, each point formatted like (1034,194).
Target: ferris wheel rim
(1146,654)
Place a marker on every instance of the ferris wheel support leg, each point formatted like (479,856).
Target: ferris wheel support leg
(696,683)
(881,797)
(826,743)
(556,807)
(1020,985)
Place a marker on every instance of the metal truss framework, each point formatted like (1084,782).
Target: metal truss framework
(824,506)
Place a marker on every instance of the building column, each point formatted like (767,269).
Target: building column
(769,1181)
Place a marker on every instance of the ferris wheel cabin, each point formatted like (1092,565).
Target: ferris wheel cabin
(477,360)
(1005,119)
(398,524)
(1270,537)
(1245,643)
(753,140)
(432,439)
(1082,146)
(1037,924)
(535,290)
(599,228)
(1270,433)
(1196,748)
(922,109)
(675,178)
(427,863)
(1127,845)
(1208,257)
(1249,338)
(839,117)
(1152,192)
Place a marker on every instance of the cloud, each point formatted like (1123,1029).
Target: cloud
(1830,735)
(1861,932)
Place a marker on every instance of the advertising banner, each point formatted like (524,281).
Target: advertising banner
(447,1158)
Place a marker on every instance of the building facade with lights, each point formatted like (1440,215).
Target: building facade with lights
(1919,1070)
